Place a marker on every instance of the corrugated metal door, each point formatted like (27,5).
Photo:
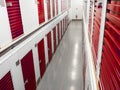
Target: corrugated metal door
(6,82)
(41,53)
(14,14)
(57,7)
(41,11)
(96,30)
(63,25)
(61,29)
(58,33)
(48,9)
(53,7)
(28,71)
(110,63)
(54,35)
(49,46)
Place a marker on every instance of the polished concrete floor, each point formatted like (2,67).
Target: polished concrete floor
(65,72)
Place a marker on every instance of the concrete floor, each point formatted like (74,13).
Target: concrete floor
(65,72)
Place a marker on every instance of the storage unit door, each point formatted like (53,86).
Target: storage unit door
(53,7)
(58,33)
(61,29)
(14,15)
(41,11)
(28,71)
(48,9)
(49,46)
(63,25)
(57,7)
(54,34)
(41,54)
(6,82)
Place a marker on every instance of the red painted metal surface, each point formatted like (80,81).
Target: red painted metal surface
(53,7)
(58,29)
(96,30)
(49,42)
(57,7)
(63,25)
(6,82)
(61,29)
(54,36)
(28,71)
(111,69)
(41,11)
(14,15)
(111,49)
(48,9)
(41,54)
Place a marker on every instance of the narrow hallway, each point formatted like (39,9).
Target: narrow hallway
(65,71)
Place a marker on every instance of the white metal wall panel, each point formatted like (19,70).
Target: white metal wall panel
(29,12)
(5,33)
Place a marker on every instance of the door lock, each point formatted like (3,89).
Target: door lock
(26,81)
(9,4)
(48,49)
(40,62)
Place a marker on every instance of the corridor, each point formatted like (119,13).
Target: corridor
(65,72)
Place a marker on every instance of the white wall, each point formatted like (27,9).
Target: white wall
(5,33)
(29,12)
(76,9)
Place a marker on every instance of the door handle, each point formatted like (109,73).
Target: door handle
(26,81)
(40,62)
(48,49)
(9,4)
(37,2)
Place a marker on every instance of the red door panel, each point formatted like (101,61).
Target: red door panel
(63,26)
(6,82)
(58,33)
(49,46)
(14,15)
(57,7)
(48,9)
(28,71)
(41,54)
(41,11)
(54,35)
(53,7)
(61,29)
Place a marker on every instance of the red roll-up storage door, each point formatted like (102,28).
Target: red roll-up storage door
(41,11)
(57,7)
(14,15)
(64,24)
(96,29)
(49,46)
(48,9)
(54,35)
(53,7)
(61,29)
(58,33)
(41,54)
(28,71)
(6,82)
(111,48)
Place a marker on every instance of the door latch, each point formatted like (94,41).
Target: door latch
(48,49)
(26,81)
(9,4)
(39,61)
